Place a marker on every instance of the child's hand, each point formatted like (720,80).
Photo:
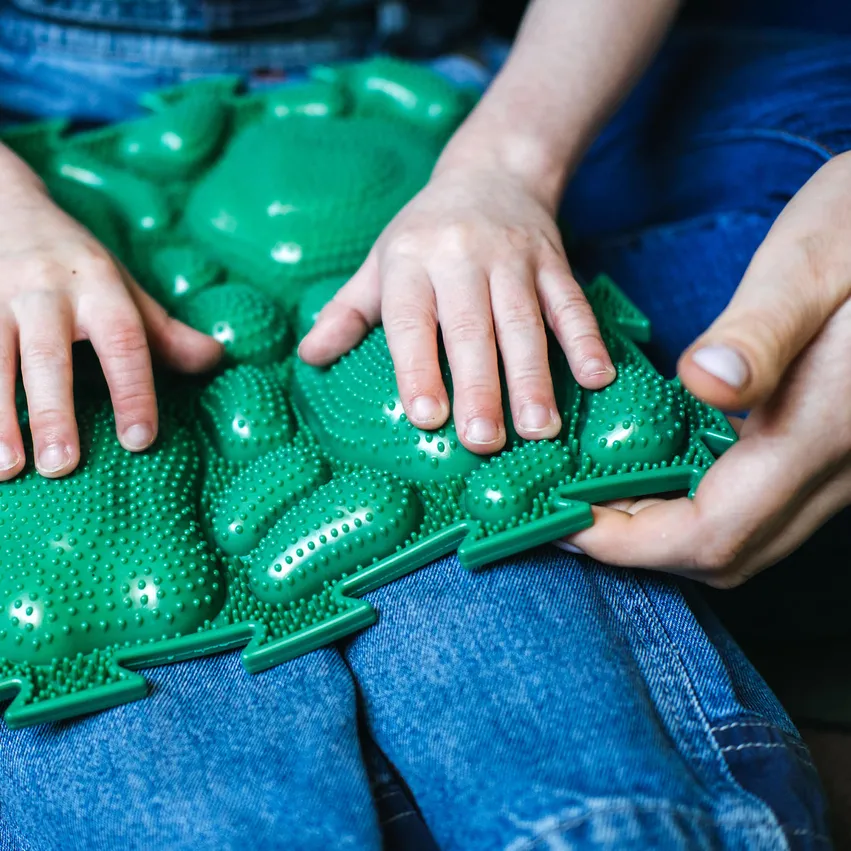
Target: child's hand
(59,285)
(477,253)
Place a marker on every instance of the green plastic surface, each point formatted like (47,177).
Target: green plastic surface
(277,493)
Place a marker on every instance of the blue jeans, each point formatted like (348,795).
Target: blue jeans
(546,703)
(91,60)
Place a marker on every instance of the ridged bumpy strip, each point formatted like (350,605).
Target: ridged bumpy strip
(262,492)
(346,524)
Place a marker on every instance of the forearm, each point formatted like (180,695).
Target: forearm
(571,65)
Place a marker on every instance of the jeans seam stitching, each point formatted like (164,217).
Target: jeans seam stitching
(745,745)
(734,724)
(675,660)
(660,807)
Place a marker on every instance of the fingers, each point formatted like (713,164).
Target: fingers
(522,339)
(719,535)
(410,323)
(177,345)
(464,313)
(113,325)
(11,445)
(347,318)
(45,324)
(793,285)
(570,316)
(642,534)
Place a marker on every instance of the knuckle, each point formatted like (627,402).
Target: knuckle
(135,393)
(552,252)
(719,561)
(724,581)
(457,238)
(519,316)
(8,362)
(480,395)
(530,380)
(47,273)
(419,380)
(94,262)
(587,345)
(520,238)
(339,307)
(409,317)
(406,244)
(48,420)
(45,354)
(569,306)
(774,334)
(125,338)
(469,328)
(43,272)
(815,256)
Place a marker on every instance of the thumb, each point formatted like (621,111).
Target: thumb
(175,344)
(795,282)
(347,318)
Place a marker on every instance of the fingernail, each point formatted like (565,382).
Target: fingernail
(569,548)
(425,409)
(8,458)
(138,437)
(594,367)
(724,363)
(482,431)
(535,417)
(53,458)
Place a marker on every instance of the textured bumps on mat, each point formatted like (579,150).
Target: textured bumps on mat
(277,493)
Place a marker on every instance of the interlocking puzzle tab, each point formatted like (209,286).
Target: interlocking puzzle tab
(277,493)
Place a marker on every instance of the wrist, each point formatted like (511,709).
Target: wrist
(540,166)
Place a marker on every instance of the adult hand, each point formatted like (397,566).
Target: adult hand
(781,349)
(58,285)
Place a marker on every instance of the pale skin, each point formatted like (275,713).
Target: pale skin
(59,285)
(789,323)
(477,252)
(477,258)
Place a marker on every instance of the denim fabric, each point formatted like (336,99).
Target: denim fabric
(548,702)
(181,15)
(214,759)
(544,703)
(96,74)
(93,59)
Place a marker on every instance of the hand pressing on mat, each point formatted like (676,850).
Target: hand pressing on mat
(781,349)
(58,285)
(478,253)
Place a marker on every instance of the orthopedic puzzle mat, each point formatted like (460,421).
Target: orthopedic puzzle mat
(277,494)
